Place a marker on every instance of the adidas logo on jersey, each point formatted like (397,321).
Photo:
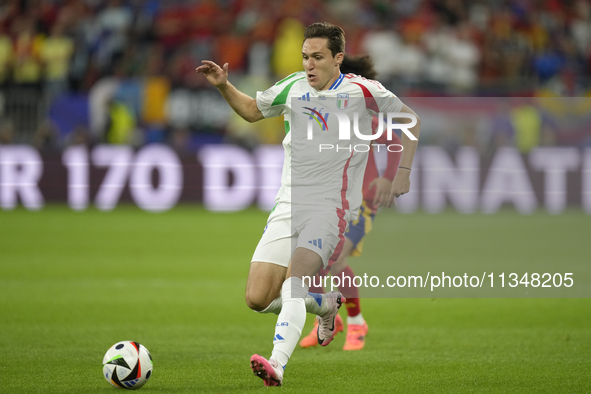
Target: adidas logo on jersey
(305,97)
(316,242)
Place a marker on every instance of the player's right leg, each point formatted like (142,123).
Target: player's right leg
(268,268)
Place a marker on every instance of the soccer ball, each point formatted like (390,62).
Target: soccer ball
(127,365)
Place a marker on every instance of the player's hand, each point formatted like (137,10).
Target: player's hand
(383,186)
(216,75)
(400,185)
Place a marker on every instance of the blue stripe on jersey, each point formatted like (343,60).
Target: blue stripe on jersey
(340,78)
(340,82)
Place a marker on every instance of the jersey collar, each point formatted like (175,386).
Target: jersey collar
(337,82)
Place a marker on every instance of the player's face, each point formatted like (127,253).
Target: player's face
(321,68)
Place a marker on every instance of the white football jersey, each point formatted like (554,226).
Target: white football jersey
(313,173)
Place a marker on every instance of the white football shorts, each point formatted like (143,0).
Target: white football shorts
(317,228)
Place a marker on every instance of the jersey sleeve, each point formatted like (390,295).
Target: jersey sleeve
(273,101)
(378,98)
(266,100)
(387,101)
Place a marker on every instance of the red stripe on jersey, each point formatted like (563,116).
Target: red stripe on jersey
(342,222)
(344,201)
(370,101)
(340,245)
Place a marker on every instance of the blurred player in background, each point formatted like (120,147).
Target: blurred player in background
(376,190)
(285,253)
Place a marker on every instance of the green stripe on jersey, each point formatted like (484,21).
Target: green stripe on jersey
(286,78)
(282,97)
(286,124)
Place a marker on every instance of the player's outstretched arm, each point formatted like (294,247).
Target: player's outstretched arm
(401,183)
(242,104)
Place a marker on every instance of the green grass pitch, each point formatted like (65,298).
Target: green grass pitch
(74,283)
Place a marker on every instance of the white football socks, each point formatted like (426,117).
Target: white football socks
(315,304)
(355,319)
(290,321)
(274,306)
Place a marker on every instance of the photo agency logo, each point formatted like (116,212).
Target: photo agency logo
(318,122)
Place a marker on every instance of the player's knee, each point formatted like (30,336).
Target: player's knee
(256,303)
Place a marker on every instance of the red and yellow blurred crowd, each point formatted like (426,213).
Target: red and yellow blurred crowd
(419,47)
(476,46)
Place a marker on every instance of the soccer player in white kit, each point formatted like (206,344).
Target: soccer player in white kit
(320,191)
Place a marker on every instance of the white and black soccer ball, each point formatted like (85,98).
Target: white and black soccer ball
(127,365)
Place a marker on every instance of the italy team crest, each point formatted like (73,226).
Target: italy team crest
(342,100)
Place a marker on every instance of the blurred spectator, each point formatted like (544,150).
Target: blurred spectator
(121,124)
(169,25)
(6,132)
(581,27)
(231,48)
(9,11)
(181,67)
(27,45)
(383,45)
(5,55)
(115,23)
(45,13)
(437,41)
(56,51)
(287,48)
(548,63)
(80,136)
(452,11)
(259,54)
(409,63)
(46,138)
(527,124)
(463,57)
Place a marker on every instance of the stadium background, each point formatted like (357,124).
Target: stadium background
(101,110)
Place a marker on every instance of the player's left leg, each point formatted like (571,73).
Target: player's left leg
(291,319)
(268,267)
(320,238)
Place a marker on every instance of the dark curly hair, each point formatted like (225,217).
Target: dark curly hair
(361,65)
